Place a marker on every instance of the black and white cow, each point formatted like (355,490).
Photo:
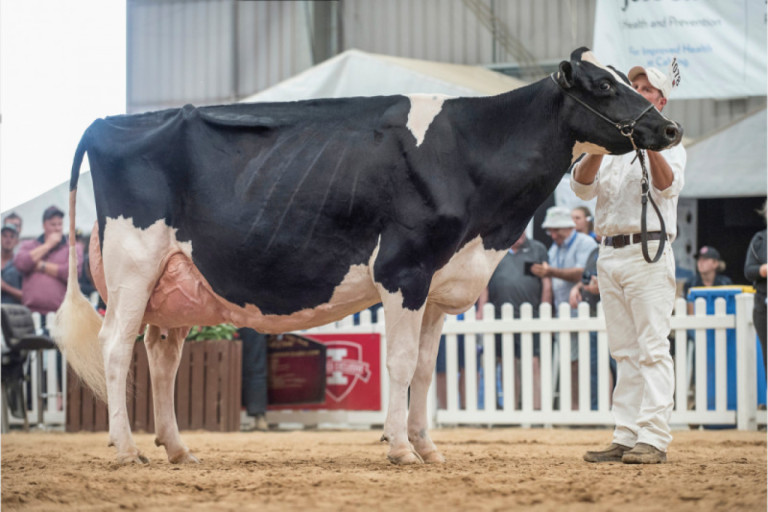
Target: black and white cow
(285,216)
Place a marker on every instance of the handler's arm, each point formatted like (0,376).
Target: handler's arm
(585,171)
(661,173)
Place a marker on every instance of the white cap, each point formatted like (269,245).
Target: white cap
(657,79)
(558,217)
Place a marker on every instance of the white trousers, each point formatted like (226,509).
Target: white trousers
(638,298)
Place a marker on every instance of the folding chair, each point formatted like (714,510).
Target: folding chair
(20,338)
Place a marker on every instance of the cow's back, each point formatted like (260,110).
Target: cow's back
(271,197)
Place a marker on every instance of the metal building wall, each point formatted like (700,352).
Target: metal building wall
(462,31)
(193,51)
(204,52)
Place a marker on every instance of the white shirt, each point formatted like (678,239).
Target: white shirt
(617,188)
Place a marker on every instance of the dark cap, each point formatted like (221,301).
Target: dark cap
(11,227)
(52,211)
(708,252)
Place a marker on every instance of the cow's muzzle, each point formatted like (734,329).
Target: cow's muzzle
(673,132)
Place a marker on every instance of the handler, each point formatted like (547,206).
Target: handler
(638,297)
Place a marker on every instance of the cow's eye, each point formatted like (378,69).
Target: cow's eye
(605,86)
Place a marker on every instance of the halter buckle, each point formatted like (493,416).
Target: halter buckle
(627,128)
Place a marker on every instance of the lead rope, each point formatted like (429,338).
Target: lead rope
(644,198)
(627,128)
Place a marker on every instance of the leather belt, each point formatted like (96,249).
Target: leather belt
(620,241)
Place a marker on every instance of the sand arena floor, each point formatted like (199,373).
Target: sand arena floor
(497,469)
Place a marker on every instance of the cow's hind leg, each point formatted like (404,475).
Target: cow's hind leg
(117,338)
(133,260)
(429,341)
(164,354)
(402,326)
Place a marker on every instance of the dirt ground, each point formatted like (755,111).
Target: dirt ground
(486,469)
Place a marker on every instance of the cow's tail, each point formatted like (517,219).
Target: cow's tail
(77,322)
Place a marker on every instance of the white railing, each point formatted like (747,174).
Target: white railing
(555,340)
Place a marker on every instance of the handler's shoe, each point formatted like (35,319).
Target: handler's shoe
(611,454)
(644,454)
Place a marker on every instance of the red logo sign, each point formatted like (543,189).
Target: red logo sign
(353,372)
(344,368)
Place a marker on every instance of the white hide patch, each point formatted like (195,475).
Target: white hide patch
(140,251)
(457,285)
(590,57)
(580,148)
(424,108)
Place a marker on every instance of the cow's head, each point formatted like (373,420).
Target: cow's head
(601,109)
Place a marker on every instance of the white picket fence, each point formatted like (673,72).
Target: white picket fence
(688,357)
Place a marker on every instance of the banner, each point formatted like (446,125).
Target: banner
(352,373)
(720,45)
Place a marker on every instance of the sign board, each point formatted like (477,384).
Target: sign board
(352,372)
(720,45)
(296,370)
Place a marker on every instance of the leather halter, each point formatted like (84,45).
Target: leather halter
(627,129)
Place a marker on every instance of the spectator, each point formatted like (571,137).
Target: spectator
(13,218)
(582,218)
(567,259)
(708,268)
(514,283)
(441,379)
(44,264)
(11,277)
(755,271)
(588,290)
(254,390)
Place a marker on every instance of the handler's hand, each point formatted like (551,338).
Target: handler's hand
(540,269)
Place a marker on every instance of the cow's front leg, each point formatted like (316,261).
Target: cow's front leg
(402,327)
(164,354)
(429,340)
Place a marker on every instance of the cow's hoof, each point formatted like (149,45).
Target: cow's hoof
(405,457)
(434,457)
(132,458)
(184,458)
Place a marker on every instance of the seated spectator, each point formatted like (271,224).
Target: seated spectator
(708,272)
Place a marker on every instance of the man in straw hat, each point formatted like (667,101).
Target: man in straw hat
(638,297)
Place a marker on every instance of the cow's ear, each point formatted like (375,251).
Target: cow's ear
(565,75)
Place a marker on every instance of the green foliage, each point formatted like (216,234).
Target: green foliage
(212,332)
(207,332)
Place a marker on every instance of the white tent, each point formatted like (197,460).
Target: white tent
(356,73)
(352,73)
(31,212)
(729,163)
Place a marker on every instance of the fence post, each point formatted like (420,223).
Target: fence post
(746,371)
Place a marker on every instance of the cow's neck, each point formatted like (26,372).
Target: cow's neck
(531,152)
